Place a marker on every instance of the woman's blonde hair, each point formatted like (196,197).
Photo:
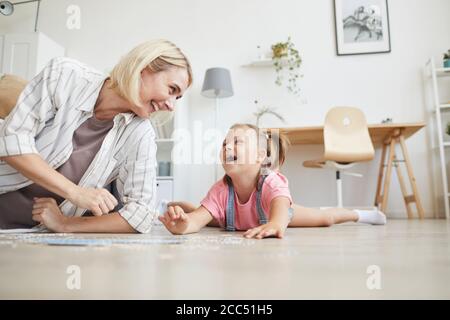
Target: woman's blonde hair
(157,55)
(273,141)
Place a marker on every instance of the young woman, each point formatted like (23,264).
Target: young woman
(74,130)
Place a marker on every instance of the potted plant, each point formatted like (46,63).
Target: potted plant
(266,110)
(447,59)
(286,58)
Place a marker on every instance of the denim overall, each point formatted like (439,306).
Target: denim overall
(230,205)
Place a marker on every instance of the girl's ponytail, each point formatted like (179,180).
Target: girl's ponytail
(278,144)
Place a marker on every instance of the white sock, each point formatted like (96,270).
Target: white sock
(373,216)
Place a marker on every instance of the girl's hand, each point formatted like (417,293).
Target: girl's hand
(186,206)
(175,220)
(46,211)
(98,201)
(269,229)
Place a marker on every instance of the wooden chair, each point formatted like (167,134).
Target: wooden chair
(346,142)
(10,89)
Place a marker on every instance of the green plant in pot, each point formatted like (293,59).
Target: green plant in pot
(447,59)
(287,59)
(261,111)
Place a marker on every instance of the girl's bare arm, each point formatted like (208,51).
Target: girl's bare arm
(179,222)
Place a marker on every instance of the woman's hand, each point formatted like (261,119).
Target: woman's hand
(98,201)
(269,229)
(175,220)
(46,211)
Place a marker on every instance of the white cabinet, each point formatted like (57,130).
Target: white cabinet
(26,54)
(164,190)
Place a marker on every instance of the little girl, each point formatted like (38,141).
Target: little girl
(253,195)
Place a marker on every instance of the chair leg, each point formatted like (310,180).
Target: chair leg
(339,189)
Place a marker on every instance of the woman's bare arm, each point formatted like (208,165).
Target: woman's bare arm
(32,166)
(36,169)
(109,223)
(47,212)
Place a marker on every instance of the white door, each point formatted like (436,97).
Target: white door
(25,55)
(19,55)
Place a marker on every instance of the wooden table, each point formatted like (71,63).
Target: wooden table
(378,132)
(386,136)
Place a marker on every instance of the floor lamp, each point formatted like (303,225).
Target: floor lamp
(217,85)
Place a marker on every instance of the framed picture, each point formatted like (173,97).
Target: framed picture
(362,26)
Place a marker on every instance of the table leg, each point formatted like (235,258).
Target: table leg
(387,179)
(378,197)
(403,189)
(415,197)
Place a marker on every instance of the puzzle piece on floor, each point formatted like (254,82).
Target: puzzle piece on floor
(102,241)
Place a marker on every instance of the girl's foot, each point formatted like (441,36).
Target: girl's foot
(374,216)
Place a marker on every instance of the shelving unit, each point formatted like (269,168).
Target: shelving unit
(165,143)
(164,177)
(440,107)
(169,141)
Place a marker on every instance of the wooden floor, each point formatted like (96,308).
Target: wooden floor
(413,258)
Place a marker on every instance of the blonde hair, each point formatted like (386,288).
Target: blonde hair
(273,141)
(157,55)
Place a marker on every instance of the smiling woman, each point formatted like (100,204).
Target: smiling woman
(74,130)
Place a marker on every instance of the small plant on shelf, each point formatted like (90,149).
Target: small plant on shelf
(266,110)
(286,58)
(447,59)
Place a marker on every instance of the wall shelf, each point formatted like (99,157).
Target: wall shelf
(443,72)
(164,178)
(263,63)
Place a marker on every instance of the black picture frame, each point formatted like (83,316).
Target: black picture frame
(362,27)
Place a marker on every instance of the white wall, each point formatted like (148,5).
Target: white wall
(226,33)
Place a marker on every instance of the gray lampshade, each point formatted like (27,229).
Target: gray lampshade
(217,83)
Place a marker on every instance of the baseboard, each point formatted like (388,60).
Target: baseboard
(397,214)
(403,215)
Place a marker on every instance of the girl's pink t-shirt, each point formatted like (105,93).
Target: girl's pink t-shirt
(246,215)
